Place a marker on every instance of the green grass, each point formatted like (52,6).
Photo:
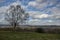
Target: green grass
(4,35)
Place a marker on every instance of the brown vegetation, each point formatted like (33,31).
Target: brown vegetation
(32,29)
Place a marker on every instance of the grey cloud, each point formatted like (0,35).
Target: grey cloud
(44,5)
(2,0)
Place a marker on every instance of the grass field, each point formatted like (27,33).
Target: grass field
(5,35)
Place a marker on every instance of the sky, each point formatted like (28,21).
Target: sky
(41,12)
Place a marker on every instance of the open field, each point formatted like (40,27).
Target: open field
(6,35)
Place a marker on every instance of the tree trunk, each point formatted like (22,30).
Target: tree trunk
(14,27)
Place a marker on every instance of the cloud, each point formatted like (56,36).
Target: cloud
(41,22)
(50,6)
(44,4)
(55,13)
(3,10)
(39,17)
(39,0)
(37,5)
(33,3)
(2,0)
(18,3)
(43,16)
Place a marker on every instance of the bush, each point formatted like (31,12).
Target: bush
(53,30)
(6,29)
(40,30)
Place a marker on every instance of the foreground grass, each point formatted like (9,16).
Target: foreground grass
(27,36)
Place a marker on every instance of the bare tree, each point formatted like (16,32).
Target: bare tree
(16,15)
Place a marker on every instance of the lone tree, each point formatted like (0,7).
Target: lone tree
(15,15)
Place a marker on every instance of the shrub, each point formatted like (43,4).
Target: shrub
(40,30)
(53,30)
